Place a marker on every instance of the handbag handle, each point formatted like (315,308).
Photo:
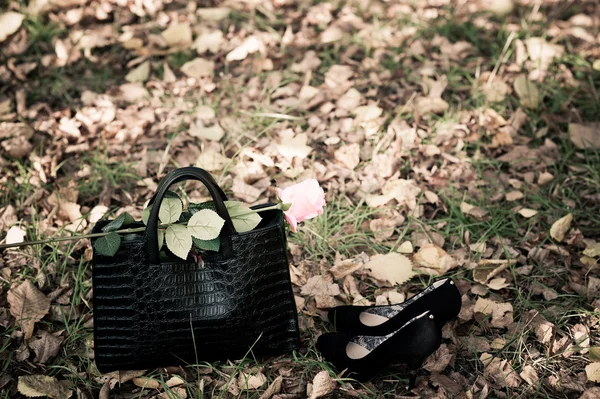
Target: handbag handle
(218,196)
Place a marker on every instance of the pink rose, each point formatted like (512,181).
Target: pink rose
(307,199)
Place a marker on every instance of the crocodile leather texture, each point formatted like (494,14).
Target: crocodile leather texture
(172,313)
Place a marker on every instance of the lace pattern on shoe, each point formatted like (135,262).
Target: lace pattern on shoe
(393,310)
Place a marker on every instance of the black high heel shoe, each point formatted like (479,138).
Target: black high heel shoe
(442,298)
(365,356)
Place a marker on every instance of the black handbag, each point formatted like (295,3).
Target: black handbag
(149,313)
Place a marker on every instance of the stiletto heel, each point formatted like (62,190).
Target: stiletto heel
(442,298)
(365,356)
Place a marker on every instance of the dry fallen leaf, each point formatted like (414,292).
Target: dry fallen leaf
(500,371)
(585,136)
(475,211)
(10,22)
(406,248)
(592,250)
(527,92)
(45,346)
(28,305)
(514,195)
(178,35)
(322,385)
(528,213)
(320,285)
(560,227)
(348,155)
(502,313)
(42,385)
(249,46)
(433,260)
(212,133)
(343,267)
(488,268)
(15,235)
(391,269)
(198,68)
(273,389)
(529,375)
(139,74)
(592,371)
(293,145)
(251,381)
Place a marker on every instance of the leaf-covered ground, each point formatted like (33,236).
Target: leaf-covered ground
(464,135)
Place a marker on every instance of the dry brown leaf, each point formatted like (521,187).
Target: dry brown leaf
(42,385)
(322,385)
(350,100)
(390,269)
(177,393)
(139,73)
(529,375)
(439,360)
(496,91)
(433,260)
(251,45)
(502,313)
(429,105)
(542,54)
(45,346)
(28,305)
(293,145)
(475,211)
(212,161)
(320,285)
(488,268)
(146,382)
(405,192)
(178,35)
(343,267)
(585,136)
(545,178)
(209,41)
(592,250)
(514,195)
(560,227)
(528,213)
(348,155)
(273,389)
(245,191)
(212,133)
(527,91)
(406,248)
(198,68)
(10,22)
(15,235)
(592,371)
(251,381)
(500,371)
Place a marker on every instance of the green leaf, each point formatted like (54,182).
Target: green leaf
(195,207)
(179,240)
(207,245)
(243,218)
(170,210)
(205,224)
(146,214)
(161,238)
(108,245)
(123,219)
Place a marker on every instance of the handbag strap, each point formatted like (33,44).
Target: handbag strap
(217,194)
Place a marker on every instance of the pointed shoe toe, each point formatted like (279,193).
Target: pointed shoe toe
(365,356)
(442,299)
